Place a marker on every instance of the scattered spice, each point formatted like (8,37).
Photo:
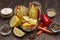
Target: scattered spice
(55,26)
(5,29)
(32,36)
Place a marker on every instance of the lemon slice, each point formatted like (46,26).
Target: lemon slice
(26,24)
(26,18)
(15,21)
(18,32)
(33,21)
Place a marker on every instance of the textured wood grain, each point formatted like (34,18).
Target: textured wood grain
(13,3)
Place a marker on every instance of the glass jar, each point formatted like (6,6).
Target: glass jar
(6,12)
(5,29)
(37,6)
(20,11)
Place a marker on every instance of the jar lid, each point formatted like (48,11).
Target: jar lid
(6,11)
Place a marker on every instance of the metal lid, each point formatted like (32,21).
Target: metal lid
(6,11)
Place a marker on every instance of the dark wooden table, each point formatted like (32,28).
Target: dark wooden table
(44,36)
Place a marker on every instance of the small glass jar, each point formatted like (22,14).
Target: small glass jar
(20,11)
(6,12)
(5,29)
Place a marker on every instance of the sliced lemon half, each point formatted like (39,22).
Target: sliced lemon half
(33,21)
(26,18)
(15,21)
(18,32)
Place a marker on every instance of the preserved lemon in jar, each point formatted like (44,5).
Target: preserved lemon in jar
(33,12)
(20,11)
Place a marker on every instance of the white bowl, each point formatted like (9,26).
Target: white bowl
(51,10)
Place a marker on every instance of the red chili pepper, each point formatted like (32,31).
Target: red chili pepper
(30,4)
(44,29)
(45,19)
(17,7)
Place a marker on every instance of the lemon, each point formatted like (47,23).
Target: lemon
(33,21)
(15,21)
(26,24)
(26,18)
(33,12)
(21,11)
(18,32)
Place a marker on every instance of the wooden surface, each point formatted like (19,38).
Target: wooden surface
(44,36)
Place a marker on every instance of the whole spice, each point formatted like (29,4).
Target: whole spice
(45,19)
(32,36)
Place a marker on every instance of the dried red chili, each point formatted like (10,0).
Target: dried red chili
(45,19)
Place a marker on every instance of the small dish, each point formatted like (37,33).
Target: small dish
(55,27)
(5,29)
(51,12)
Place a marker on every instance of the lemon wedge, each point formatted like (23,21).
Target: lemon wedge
(33,21)
(15,21)
(26,24)
(33,12)
(26,18)
(18,32)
